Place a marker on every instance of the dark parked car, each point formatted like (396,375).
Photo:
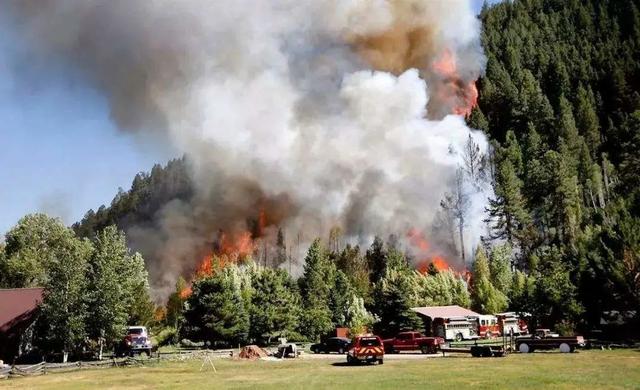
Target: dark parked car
(332,344)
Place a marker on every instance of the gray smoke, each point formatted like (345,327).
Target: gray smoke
(321,113)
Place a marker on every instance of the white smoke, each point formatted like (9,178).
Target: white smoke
(278,100)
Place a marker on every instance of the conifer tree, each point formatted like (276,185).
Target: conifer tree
(316,284)
(216,310)
(485,297)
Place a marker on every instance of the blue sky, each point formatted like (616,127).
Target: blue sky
(59,151)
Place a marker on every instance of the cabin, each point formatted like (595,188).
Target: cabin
(18,312)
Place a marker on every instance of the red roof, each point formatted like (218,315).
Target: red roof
(444,311)
(16,304)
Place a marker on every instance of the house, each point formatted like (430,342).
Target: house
(18,309)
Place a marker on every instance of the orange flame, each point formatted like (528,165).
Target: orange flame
(417,240)
(440,263)
(185,293)
(462,94)
(428,257)
(229,249)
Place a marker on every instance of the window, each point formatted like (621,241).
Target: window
(369,342)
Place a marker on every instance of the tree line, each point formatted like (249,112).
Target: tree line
(372,290)
(560,100)
(92,288)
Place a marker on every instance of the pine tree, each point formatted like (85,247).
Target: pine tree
(316,284)
(587,120)
(216,310)
(508,215)
(485,297)
(275,306)
(341,293)
(394,296)
(376,260)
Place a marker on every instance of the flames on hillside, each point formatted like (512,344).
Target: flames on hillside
(428,258)
(459,97)
(242,246)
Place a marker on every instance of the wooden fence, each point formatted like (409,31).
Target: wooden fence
(42,368)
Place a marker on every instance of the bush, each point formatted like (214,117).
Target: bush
(167,336)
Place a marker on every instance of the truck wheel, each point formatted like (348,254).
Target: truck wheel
(148,352)
(524,348)
(316,350)
(459,337)
(349,359)
(341,351)
(424,349)
(565,348)
(380,361)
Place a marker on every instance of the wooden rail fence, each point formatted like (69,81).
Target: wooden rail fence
(17,371)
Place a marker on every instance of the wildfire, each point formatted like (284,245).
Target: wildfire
(463,95)
(228,249)
(185,293)
(440,263)
(428,258)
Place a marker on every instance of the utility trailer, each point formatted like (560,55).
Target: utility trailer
(480,350)
(484,349)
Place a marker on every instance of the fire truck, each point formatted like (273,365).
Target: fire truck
(456,328)
(488,326)
(511,323)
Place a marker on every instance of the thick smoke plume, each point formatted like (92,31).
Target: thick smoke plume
(305,114)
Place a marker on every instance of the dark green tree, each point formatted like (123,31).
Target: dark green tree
(485,297)
(376,260)
(316,284)
(275,306)
(216,310)
(394,296)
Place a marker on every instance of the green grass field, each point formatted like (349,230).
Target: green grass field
(583,370)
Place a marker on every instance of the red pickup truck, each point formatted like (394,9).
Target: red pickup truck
(413,341)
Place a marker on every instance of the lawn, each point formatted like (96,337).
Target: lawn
(586,369)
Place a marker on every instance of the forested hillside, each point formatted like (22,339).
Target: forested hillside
(138,206)
(560,99)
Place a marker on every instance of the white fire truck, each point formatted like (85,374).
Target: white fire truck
(512,323)
(457,328)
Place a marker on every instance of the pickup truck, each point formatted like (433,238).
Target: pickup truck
(545,339)
(136,341)
(413,341)
(366,348)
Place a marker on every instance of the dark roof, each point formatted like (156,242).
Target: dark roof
(16,304)
(451,311)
